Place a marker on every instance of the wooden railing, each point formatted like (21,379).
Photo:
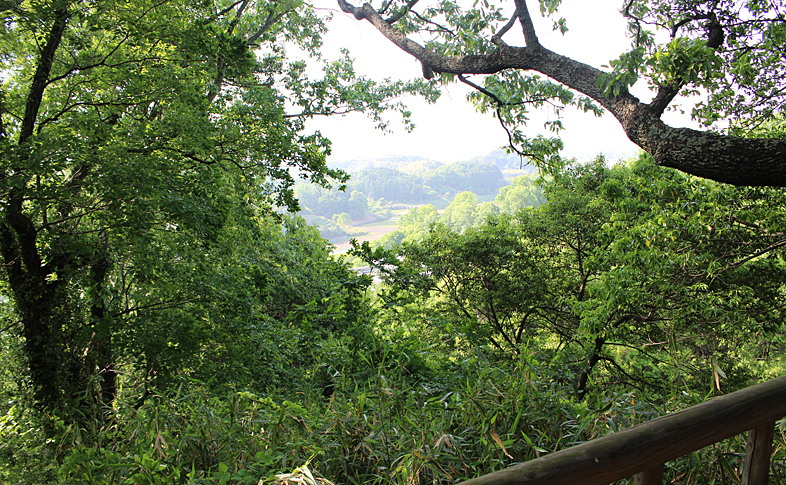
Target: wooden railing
(642,450)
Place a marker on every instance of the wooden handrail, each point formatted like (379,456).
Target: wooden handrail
(643,449)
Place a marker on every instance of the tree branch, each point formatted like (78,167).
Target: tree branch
(223,12)
(631,380)
(100,63)
(530,36)
(238,16)
(41,76)
(496,39)
(740,161)
(162,305)
(395,18)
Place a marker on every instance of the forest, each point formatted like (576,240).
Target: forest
(168,315)
(393,183)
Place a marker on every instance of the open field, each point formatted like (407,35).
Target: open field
(393,221)
(374,231)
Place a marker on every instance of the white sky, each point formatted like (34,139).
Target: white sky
(451,130)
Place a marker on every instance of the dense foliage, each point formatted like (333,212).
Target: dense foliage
(145,148)
(165,319)
(653,276)
(489,345)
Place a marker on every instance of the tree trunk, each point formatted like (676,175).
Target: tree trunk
(581,387)
(37,302)
(41,301)
(102,345)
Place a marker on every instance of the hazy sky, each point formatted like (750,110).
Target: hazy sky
(451,130)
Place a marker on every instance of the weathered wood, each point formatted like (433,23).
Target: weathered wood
(652,476)
(643,447)
(757,455)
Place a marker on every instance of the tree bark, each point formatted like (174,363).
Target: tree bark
(581,387)
(36,300)
(102,345)
(41,76)
(739,161)
(41,303)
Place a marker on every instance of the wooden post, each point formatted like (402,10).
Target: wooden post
(757,455)
(651,476)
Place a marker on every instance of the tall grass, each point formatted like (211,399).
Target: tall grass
(390,428)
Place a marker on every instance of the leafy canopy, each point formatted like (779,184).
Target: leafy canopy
(729,52)
(135,140)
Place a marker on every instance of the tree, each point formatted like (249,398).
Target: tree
(485,291)
(358,204)
(133,136)
(522,192)
(462,211)
(389,183)
(412,226)
(344,220)
(731,51)
(486,210)
(636,275)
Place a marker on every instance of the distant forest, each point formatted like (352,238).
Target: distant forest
(378,185)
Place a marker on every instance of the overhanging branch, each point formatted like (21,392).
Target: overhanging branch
(740,161)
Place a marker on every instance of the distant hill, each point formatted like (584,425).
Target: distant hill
(407,164)
(376,184)
(415,165)
(613,154)
(509,163)
(482,178)
(506,162)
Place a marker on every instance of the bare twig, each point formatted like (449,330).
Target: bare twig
(500,104)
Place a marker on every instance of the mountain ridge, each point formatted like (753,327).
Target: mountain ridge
(510,163)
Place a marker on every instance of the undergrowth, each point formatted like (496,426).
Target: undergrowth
(391,428)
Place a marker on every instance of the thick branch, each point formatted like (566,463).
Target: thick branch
(666,94)
(41,76)
(739,161)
